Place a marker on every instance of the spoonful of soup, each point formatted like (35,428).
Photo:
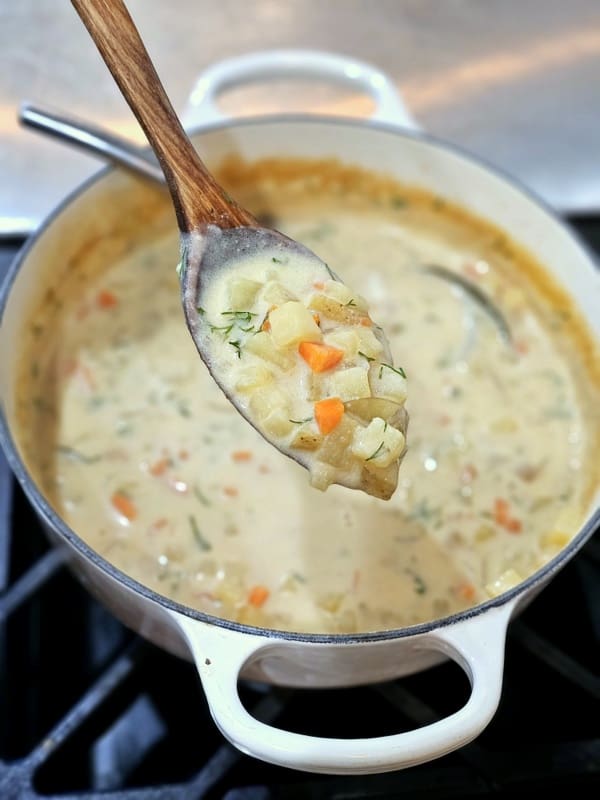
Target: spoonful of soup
(292,347)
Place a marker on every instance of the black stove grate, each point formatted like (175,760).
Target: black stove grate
(90,711)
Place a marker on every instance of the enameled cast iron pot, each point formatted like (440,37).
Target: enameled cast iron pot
(223,651)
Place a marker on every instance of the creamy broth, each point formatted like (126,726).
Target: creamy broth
(143,456)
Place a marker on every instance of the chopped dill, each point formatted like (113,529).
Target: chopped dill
(224,329)
(364,355)
(199,537)
(376,453)
(397,370)
(237,346)
(239,316)
(351,302)
(199,494)
(300,421)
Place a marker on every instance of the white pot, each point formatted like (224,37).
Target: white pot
(222,650)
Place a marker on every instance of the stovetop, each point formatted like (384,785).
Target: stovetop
(88,710)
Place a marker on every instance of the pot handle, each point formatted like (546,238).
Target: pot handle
(202,107)
(477,644)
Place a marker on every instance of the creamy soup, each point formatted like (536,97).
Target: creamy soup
(143,456)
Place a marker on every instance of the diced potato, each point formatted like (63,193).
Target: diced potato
(555,540)
(322,475)
(252,377)
(368,343)
(262,345)
(503,583)
(379,481)
(346,340)
(307,439)
(242,293)
(293,323)
(340,292)
(349,315)
(378,444)
(367,408)
(315,386)
(334,449)
(350,384)
(270,407)
(276,294)
(387,383)
(330,602)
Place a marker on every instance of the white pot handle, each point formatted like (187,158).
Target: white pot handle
(202,108)
(477,644)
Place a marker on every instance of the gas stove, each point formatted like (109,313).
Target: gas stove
(89,710)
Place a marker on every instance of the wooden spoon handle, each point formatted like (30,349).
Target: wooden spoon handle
(197,197)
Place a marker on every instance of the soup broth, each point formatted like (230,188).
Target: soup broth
(139,451)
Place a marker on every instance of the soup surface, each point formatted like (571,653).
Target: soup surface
(139,451)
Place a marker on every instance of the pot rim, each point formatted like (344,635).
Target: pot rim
(53,519)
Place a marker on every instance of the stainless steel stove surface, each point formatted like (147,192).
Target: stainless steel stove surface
(90,711)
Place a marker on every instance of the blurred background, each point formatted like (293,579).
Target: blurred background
(516,81)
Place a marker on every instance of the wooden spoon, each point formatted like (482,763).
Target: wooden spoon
(215,232)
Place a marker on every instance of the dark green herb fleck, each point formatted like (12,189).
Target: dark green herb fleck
(364,355)
(199,538)
(300,421)
(201,496)
(397,370)
(237,346)
(77,455)
(376,453)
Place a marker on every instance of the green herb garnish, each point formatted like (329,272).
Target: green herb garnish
(240,316)
(364,355)
(300,421)
(376,453)
(224,329)
(351,302)
(200,495)
(237,346)
(397,370)
(77,455)
(200,310)
(201,541)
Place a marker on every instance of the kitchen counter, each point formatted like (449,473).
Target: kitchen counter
(514,81)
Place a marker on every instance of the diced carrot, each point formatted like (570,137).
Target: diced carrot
(513,525)
(160,467)
(501,509)
(106,299)
(318,285)
(258,595)
(503,517)
(241,455)
(466,591)
(320,357)
(366,322)
(230,491)
(124,505)
(266,326)
(329,413)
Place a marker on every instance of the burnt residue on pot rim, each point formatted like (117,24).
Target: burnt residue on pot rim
(54,521)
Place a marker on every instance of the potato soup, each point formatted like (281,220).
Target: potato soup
(140,452)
